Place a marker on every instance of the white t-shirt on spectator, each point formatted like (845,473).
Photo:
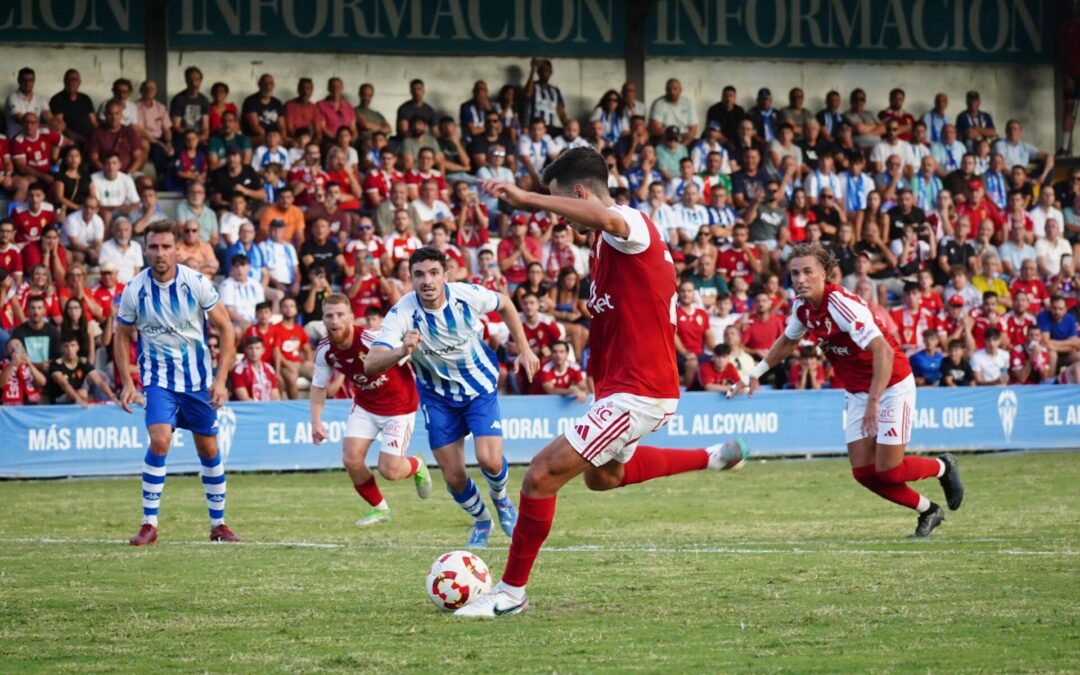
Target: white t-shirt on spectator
(241,296)
(1039,216)
(988,367)
(1051,253)
(116,192)
(127,118)
(883,150)
(17,104)
(128,262)
(81,232)
(229,227)
(437,211)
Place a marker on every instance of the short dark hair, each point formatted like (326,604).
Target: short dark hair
(425,255)
(989,294)
(991,333)
(721,349)
(164,227)
(578,165)
(956,344)
(372,310)
(252,340)
(265,304)
(239,259)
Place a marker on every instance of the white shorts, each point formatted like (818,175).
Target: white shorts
(396,430)
(896,411)
(614,425)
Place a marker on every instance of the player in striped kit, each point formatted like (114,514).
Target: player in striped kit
(167,306)
(632,362)
(880,389)
(438,325)
(383,405)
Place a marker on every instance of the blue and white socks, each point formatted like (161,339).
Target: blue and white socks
(153,482)
(497,481)
(213,480)
(469,499)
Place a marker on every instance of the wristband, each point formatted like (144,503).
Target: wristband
(759,369)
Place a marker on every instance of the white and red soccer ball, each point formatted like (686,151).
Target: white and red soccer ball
(456,579)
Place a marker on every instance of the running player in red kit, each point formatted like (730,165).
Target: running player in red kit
(632,338)
(386,403)
(880,398)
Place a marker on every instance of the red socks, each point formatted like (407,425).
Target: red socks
(414,466)
(898,493)
(533,526)
(912,469)
(649,462)
(369,491)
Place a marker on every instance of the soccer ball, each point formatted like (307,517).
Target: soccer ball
(456,579)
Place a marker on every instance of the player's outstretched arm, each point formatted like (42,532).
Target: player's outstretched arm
(780,350)
(317,399)
(526,358)
(219,319)
(583,212)
(381,358)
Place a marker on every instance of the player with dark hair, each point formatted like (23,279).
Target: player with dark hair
(383,405)
(632,337)
(880,398)
(168,306)
(438,326)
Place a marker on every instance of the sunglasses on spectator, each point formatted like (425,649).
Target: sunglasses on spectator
(365,227)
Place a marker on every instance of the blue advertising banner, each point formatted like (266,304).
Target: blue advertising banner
(1017,31)
(54,441)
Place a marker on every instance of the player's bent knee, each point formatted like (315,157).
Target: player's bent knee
(392,467)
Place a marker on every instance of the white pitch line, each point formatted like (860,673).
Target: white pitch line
(656,550)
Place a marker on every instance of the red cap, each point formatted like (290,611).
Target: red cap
(678,256)
(956,301)
(519,219)
(976,185)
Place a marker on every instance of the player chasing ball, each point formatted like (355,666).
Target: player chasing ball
(167,307)
(438,324)
(384,404)
(880,390)
(632,337)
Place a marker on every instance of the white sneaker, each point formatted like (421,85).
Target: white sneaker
(727,456)
(493,604)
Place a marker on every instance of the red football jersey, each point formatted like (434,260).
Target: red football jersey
(1016,327)
(570,375)
(544,333)
(28,225)
(290,341)
(402,246)
(912,324)
(11,260)
(932,301)
(379,182)
(732,263)
(257,378)
(268,351)
(1034,288)
(391,393)
(368,295)
(632,300)
(708,374)
(107,297)
(37,151)
(1019,357)
(414,177)
(843,326)
(5,151)
(691,327)
(374,246)
(982,323)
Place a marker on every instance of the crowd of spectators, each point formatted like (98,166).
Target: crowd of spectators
(952,230)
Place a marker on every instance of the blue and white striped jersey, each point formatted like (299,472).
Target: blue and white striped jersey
(452,361)
(171,320)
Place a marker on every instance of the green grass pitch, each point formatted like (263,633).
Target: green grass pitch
(784,566)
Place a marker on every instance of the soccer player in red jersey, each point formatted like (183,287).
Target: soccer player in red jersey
(385,403)
(632,362)
(880,398)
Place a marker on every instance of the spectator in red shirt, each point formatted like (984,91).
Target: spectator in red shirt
(912,320)
(1030,283)
(425,170)
(291,349)
(10,257)
(718,373)
(301,113)
(984,317)
(740,258)
(253,379)
(46,252)
(762,328)
(693,336)
(34,217)
(113,136)
(21,382)
(402,243)
(808,372)
(264,312)
(517,251)
(34,151)
(108,290)
(895,112)
(560,377)
(1030,362)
